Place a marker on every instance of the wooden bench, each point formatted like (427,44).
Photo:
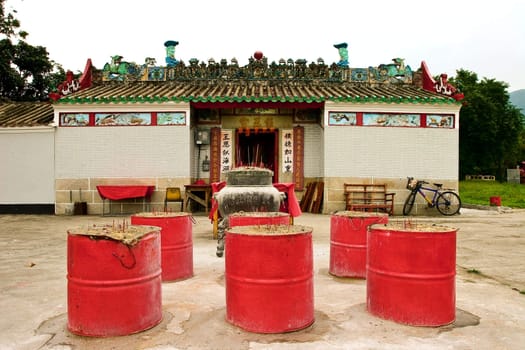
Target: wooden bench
(369,197)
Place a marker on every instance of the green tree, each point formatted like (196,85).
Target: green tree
(491,128)
(26,72)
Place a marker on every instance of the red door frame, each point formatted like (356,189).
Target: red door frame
(275,132)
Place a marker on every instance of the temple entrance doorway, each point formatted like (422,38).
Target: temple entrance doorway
(257,149)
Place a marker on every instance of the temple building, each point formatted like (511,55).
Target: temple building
(184,123)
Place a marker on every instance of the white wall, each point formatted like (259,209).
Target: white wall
(122,151)
(392,152)
(27,165)
(313,150)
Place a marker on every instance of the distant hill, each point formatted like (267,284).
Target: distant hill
(517,98)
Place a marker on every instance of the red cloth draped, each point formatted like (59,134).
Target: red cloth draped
(291,204)
(124,191)
(215,187)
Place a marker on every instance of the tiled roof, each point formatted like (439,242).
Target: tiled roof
(217,91)
(20,114)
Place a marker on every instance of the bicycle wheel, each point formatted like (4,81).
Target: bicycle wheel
(448,203)
(409,203)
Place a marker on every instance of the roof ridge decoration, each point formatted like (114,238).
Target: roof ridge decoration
(220,82)
(257,68)
(442,86)
(343,54)
(71,84)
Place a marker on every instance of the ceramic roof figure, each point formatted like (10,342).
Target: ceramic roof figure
(343,54)
(170,53)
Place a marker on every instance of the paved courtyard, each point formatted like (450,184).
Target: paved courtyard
(490,293)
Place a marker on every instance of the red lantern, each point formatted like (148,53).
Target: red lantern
(258,55)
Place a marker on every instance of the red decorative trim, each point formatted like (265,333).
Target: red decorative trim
(359,119)
(71,84)
(74,121)
(442,86)
(428,81)
(215,155)
(423,120)
(298,157)
(298,105)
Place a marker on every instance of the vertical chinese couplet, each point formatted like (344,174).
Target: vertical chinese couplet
(226,150)
(287,151)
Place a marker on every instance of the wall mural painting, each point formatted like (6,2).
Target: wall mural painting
(226,150)
(381,119)
(306,116)
(440,121)
(171,118)
(74,119)
(256,123)
(287,151)
(110,119)
(342,118)
(208,116)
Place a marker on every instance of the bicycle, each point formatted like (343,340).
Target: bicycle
(446,201)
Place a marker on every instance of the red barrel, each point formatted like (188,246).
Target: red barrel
(259,218)
(495,201)
(113,288)
(269,278)
(411,273)
(348,241)
(176,242)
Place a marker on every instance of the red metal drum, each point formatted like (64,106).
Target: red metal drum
(348,231)
(258,218)
(411,273)
(495,201)
(176,238)
(114,288)
(269,278)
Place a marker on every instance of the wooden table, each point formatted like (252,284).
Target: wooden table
(191,194)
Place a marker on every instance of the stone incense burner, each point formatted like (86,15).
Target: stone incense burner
(248,189)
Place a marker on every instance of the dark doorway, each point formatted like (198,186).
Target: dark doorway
(257,149)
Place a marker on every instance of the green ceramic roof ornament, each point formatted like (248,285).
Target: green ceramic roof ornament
(170,53)
(117,66)
(343,54)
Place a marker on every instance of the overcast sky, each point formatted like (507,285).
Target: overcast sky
(485,37)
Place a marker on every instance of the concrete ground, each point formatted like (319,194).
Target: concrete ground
(490,293)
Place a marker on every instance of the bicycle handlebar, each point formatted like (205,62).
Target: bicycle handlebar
(413,184)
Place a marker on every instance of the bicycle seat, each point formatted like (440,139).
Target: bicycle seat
(438,185)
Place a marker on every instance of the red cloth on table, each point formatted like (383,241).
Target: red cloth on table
(290,206)
(124,191)
(215,187)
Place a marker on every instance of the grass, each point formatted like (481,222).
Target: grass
(479,192)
